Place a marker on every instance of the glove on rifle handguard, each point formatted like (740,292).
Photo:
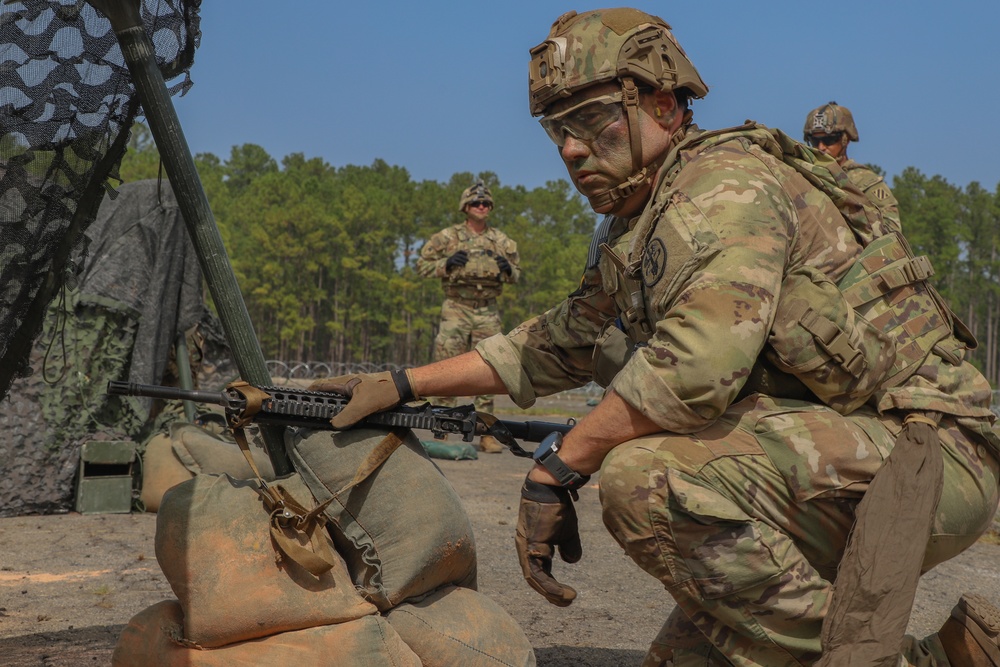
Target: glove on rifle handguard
(369,393)
(547,521)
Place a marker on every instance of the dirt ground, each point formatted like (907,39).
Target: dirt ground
(69,583)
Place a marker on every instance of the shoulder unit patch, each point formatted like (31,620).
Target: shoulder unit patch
(654,262)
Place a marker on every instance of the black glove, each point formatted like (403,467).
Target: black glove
(547,521)
(504,265)
(460,258)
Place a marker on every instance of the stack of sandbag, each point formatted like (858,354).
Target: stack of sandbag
(401,590)
(239,600)
(408,545)
(186,450)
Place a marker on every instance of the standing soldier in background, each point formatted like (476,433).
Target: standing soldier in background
(473,261)
(830,128)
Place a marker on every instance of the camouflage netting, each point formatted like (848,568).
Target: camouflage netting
(66,107)
(139,289)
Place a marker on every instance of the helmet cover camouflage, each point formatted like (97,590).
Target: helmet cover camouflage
(603,45)
(475,192)
(830,118)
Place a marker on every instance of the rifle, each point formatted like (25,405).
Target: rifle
(286,406)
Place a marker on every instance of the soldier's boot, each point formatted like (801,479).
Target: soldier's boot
(971,636)
(489,445)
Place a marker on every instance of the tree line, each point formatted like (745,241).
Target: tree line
(324,255)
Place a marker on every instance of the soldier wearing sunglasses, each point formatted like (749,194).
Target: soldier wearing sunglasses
(473,260)
(830,128)
(772,353)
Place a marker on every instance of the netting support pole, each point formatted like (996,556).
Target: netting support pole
(165,127)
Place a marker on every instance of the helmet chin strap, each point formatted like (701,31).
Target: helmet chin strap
(642,174)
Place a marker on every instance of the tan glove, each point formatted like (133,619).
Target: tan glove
(547,521)
(369,393)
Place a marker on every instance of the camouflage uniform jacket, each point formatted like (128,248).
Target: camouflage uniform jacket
(875,188)
(481,278)
(727,222)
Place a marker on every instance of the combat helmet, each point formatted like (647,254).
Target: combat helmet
(607,44)
(830,118)
(475,192)
(603,45)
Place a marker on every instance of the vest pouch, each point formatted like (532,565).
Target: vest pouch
(612,349)
(817,337)
(888,287)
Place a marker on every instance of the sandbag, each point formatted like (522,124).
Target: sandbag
(187,450)
(161,469)
(214,546)
(151,640)
(458,626)
(450,451)
(204,452)
(402,531)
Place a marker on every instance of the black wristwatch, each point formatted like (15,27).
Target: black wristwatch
(547,455)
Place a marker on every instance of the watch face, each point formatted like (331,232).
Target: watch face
(549,444)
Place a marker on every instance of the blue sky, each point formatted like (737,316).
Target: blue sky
(440,87)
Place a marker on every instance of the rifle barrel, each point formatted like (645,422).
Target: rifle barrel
(534,431)
(169,393)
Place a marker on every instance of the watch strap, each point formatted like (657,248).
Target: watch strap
(566,476)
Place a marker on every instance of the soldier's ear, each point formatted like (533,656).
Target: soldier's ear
(665,107)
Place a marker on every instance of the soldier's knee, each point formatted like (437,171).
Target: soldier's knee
(625,477)
(685,532)
(626,499)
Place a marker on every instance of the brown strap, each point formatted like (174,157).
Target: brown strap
(630,98)
(878,575)
(290,522)
(379,455)
(241,440)
(254,398)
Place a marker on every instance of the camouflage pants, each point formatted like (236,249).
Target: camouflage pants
(462,327)
(745,522)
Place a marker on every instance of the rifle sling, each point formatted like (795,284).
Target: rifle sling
(379,455)
(291,523)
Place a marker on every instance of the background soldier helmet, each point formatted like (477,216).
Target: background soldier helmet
(603,45)
(830,118)
(476,192)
